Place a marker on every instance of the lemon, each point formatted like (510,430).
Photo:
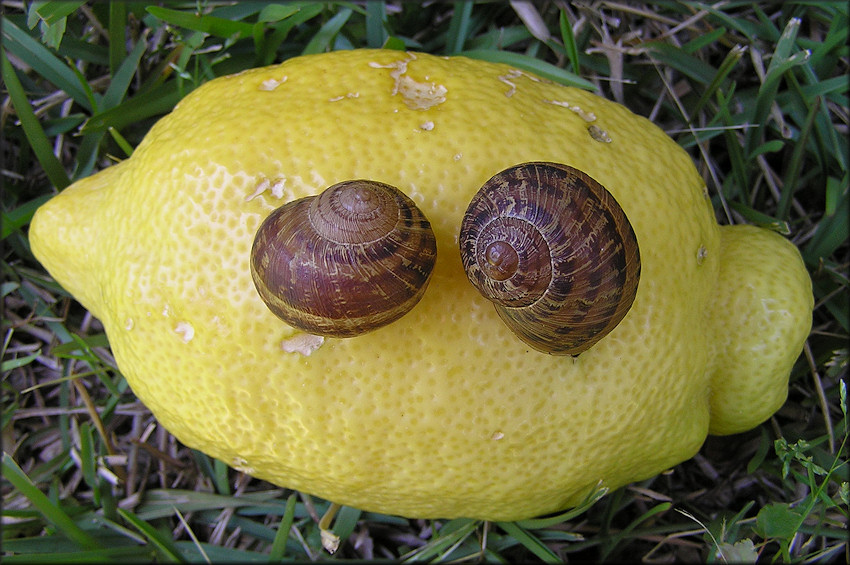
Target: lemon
(443,413)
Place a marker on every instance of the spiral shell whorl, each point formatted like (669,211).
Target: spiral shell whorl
(578,260)
(524,268)
(355,212)
(345,262)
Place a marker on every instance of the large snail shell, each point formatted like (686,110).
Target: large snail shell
(554,252)
(350,260)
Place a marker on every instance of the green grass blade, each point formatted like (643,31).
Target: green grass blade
(192,553)
(833,229)
(219,478)
(592,498)
(238,11)
(40,307)
(451,534)
(780,62)
(705,40)
(81,348)
(87,89)
(18,362)
(725,113)
(213,25)
(744,26)
(761,219)
(124,75)
(277,12)
(323,39)
(120,80)
(53,12)
(285,18)
(346,520)
(76,49)
(195,543)
(785,45)
(835,193)
(52,20)
(458,27)
(5,289)
(108,503)
(687,64)
(63,125)
(376,21)
(768,89)
(795,163)
(835,88)
(20,216)
(530,542)
(160,503)
(496,39)
(43,62)
(772,146)
(278,548)
(158,100)
(87,155)
(214,471)
(51,512)
(87,455)
(531,64)
(32,14)
(729,63)
(105,555)
(244,522)
(32,127)
(395,44)
(164,546)
(569,39)
(625,532)
(122,143)
(829,142)
(825,52)
(117,24)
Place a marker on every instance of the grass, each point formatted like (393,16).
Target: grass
(756,93)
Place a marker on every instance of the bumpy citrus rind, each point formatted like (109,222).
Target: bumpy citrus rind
(762,316)
(443,413)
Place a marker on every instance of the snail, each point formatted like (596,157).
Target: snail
(554,252)
(354,258)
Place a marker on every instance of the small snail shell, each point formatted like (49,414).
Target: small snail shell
(554,252)
(350,260)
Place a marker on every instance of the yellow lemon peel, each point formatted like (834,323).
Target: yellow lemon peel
(443,413)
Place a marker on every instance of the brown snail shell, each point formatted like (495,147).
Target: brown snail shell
(555,253)
(354,258)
